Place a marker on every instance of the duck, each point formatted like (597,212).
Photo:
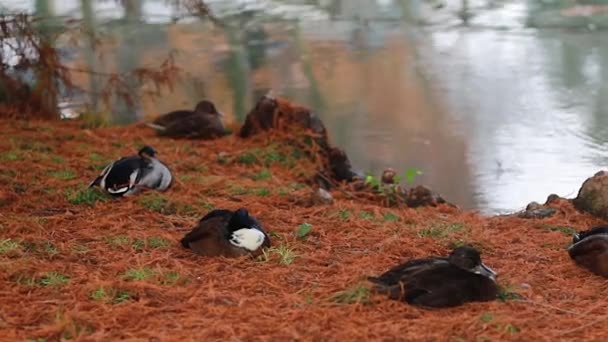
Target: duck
(129,175)
(223,232)
(204,122)
(589,249)
(437,282)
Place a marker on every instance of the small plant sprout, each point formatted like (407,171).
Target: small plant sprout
(354,294)
(88,196)
(390,217)
(53,279)
(262,175)
(141,273)
(506,293)
(118,240)
(303,230)
(9,245)
(286,255)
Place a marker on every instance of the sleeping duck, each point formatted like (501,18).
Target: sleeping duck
(590,249)
(204,122)
(440,281)
(129,175)
(227,233)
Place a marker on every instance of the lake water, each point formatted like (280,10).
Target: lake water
(495,114)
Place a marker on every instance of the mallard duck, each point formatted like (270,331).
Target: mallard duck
(440,281)
(590,249)
(129,175)
(227,233)
(204,122)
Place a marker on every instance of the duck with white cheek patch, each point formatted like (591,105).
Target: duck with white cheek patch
(129,175)
(227,233)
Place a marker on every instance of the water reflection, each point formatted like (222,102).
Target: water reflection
(494,113)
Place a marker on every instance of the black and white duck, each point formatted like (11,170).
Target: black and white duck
(590,249)
(204,122)
(129,175)
(440,281)
(227,233)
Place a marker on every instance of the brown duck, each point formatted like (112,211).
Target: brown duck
(590,249)
(440,281)
(204,122)
(227,233)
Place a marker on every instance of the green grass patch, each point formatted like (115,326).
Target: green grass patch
(88,196)
(9,245)
(53,279)
(80,248)
(11,156)
(138,274)
(171,278)
(156,203)
(506,293)
(118,240)
(282,253)
(390,217)
(366,215)
(487,317)
(269,155)
(110,295)
(50,249)
(262,175)
(440,230)
(344,214)
(263,192)
(354,294)
(303,230)
(63,174)
(158,242)
(566,230)
(57,159)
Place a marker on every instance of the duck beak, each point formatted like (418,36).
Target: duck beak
(485,271)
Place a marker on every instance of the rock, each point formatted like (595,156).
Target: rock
(535,210)
(422,196)
(388,176)
(322,196)
(553,198)
(593,196)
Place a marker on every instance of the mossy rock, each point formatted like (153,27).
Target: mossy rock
(593,195)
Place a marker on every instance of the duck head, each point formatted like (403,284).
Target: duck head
(576,237)
(468,258)
(245,231)
(147,152)
(207,107)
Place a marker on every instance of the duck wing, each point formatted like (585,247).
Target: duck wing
(592,253)
(156,175)
(167,119)
(208,227)
(439,286)
(195,126)
(403,271)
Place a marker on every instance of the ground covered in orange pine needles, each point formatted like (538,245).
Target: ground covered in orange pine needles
(75,264)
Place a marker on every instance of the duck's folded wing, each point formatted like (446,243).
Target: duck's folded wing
(403,271)
(593,244)
(167,119)
(442,286)
(221,213)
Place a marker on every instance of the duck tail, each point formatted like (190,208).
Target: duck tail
(156,127)
(95,182)
(185,242)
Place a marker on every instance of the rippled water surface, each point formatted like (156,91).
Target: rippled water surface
(494,113)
